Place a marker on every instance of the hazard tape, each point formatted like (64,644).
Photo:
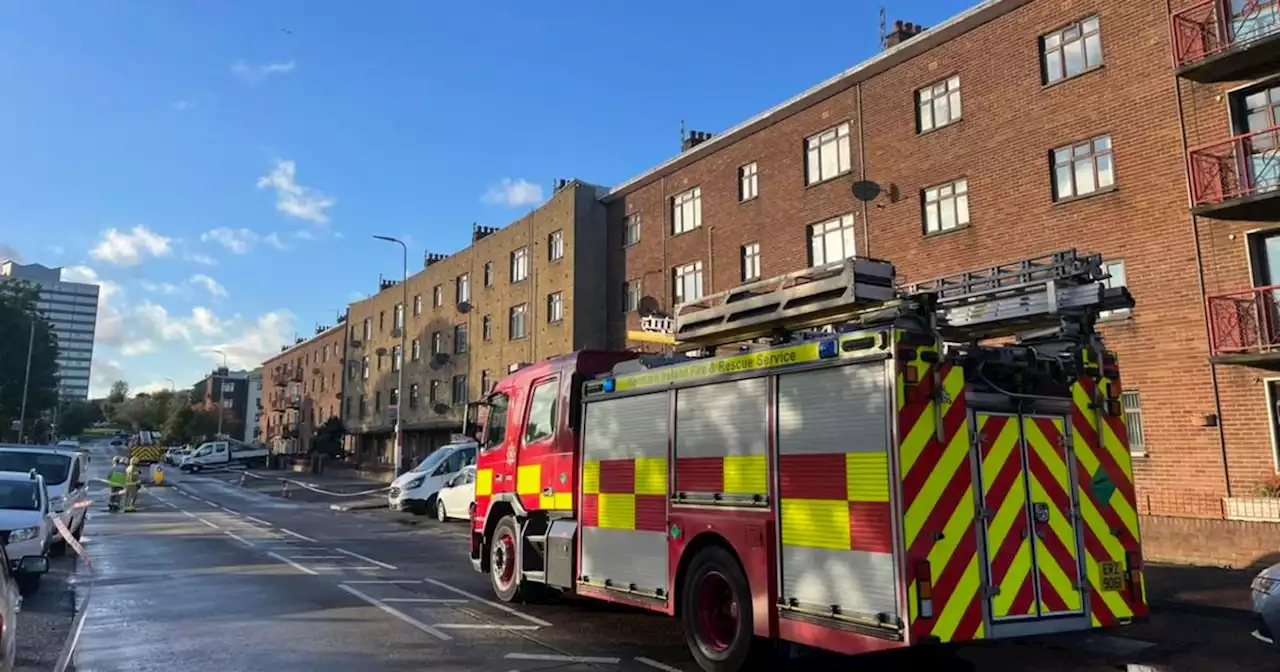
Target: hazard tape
(85,589)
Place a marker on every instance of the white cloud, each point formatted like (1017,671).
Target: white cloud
(274,241)
(205,321)
(58,250)
(10,253)
(127,248)
(254,342)
(102,373)
(237,241)
(166,288)
(213,286)
(293,199)
(304,234)
(254,74)
(513,193)
(151,387)
(80,274)
(203,259)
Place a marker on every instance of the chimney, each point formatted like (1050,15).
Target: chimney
(384,283)
(693,139)
(478,232)
(902,31)
(560,184)
(429,258)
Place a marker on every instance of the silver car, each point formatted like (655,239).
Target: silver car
(1266,604)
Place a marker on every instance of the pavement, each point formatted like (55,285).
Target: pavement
(209,576)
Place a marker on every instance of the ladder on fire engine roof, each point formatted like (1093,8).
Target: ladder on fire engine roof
(1010,299)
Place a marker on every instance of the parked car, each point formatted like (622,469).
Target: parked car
(174,456)
(223,454)
(416,490)
(64,477)
(25,521)
(1266,604)
(457,499)
(11,600)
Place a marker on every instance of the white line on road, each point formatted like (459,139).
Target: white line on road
(427,600)
(384,581)
(365,558)
(295,534)
(656,665)
(209,524)
(496,605)
(187,513)
(234,513)
(553,658)
(239,538)
(295,565)
(485,626)
(336,568)
(256,520)
(317,557)
(398,614)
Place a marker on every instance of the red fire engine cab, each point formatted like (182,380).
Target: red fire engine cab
(878,467)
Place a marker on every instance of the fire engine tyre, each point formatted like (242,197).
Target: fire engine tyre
(503,571)
(716,612)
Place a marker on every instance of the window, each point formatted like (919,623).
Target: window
(459,390)
(555,245)
(459,338)
(1083,168)
(686,211)
(516,324)
(827,154)
(750,262)
(630,296)
(495,426)
(346,404)
(484,382)
(326,355)
(397,358)
(437,342)
(486,328)
(462,289)
(377,401)
(417,304)
(520,264)
(687,285)
(1132,405)
(630,230)
(946,206)
(1072,51)
(488,274)
(393,397)
(364,370)
(364,407)
(368,328)
(541,423)
(378,364)
(382,321)
(831,241)
(413,395)
(399,316)
(938,105)
(228,403)
(433,392)
(748,182)
(1115,278)
(437,296)
(555,307)
(415,350)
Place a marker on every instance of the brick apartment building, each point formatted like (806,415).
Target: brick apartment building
(302,389)
(1017,128)
(509,298)
(227,392)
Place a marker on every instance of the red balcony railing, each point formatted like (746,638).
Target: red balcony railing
(1211,27)
(1246,322)
(1246,165)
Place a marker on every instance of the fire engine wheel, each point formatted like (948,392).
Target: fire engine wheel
(716,611)
(503,556)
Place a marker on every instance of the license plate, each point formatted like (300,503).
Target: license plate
(1112,576)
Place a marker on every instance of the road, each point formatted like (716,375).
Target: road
(210,576)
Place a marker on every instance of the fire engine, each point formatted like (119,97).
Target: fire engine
(881,466)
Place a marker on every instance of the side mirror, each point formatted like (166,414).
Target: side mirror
(33,564)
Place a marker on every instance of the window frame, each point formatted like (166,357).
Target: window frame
(456,384)
(748,181)
(1092,156)
(749,258)
(812,229)
(812,150)
(437,342)
(462,289)
(488,274)
(631,223)
(954,101)
(1110,283)
(486,328)
(499,406)
(959,193)
(521,309)
(553,384)
(1136,448)
(555,245)
(629,306)
(460,339)
(519,267)
(555,307)
(415,350)
(691,200)
(1060,48)
(677,286)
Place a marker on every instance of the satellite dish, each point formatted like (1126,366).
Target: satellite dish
(464,307)
(381,352)
(438,360)
(440,409)
(866,190)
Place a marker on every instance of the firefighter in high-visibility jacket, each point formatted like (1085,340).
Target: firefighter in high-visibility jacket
(132,482)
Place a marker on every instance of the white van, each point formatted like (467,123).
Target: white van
(416,490)
(64,478)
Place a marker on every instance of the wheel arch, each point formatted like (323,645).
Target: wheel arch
(500,506)
(695,546)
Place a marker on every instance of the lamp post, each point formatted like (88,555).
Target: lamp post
(404,309)
(218,383)
(26,379)
(173,387)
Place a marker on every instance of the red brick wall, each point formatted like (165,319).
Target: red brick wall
(1228,543)
(1011,122)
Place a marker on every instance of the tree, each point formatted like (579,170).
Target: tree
(119,392)
(17,312)
(77,417)
(327,439)
(204,424)
(177,428)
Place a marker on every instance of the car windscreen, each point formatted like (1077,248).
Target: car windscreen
(55,468)
(429,462)
(20,495)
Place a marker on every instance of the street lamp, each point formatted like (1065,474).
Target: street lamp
(173,387)
(219,389)
(26,379)
(404,309)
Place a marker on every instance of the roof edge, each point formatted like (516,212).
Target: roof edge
(975,16)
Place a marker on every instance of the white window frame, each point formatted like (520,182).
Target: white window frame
(486,328)
(820,236)
(750,262)
(828,154)
(368,328)
(555,245)
(946,206)
(748,182)
(1117,276)
(364,368)
(1131,405)
(1092,159)
(437,296)
(461,339)
(938,104)
(1082,39)
(462,288)
(437,342)
(397,358)
(458,389)
(518,315)
(415,350)
(555,307)
(398,316)
(519,264)
(417,304)
(488,274)
(686,211)
(631,230)
(631,293)
(686,282)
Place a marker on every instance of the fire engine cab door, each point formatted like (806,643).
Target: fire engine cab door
(1028,503)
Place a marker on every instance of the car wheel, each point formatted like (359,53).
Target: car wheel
(441,514)
(28,584)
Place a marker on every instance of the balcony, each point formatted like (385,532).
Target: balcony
(1238,178)
(293,401)
(1214,43)
(278,405)
(1244,327)
(280,379)
(295,376)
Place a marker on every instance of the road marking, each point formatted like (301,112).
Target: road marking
(209,524)
(234,513)
(335,568)
(295,565)
(256,520)
(656,665)
(550,657)
(295,534)
(427,600)
(239,538)
(496,605)
(365,558)
(383,581)
(317,557)
(399,614)
(187,513)
(485,626)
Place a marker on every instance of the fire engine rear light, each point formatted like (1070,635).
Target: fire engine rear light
(911,375)
(924,589)
(1133,573)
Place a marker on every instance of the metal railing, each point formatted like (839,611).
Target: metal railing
(1245,165)
(1245,322)
(1209,28)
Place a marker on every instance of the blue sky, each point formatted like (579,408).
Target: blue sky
(220,167)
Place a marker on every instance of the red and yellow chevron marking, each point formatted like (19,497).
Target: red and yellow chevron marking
(937,491)
(1055,541)
(1104,472)
(628,494)
(1008,528)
